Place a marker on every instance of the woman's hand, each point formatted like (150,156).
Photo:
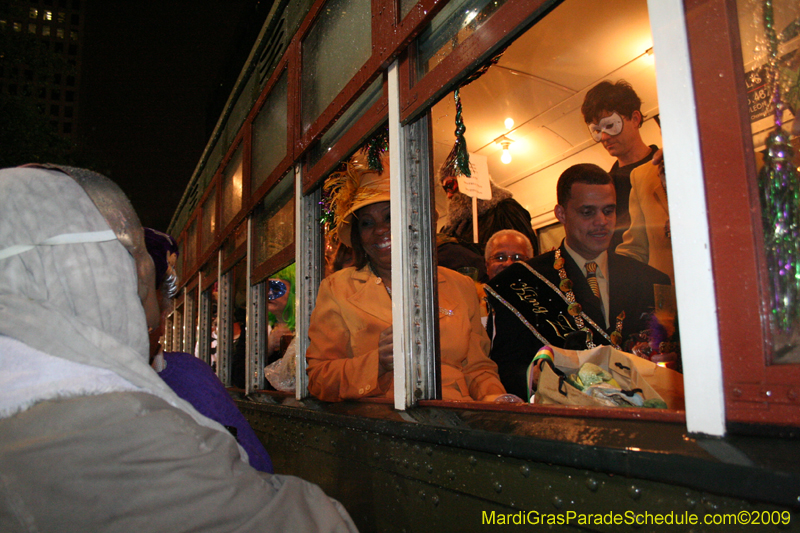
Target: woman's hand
(385,352)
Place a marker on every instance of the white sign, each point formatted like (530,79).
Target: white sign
(477,185)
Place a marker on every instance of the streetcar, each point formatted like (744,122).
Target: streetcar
(326,78)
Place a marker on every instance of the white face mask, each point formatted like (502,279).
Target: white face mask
(612,125)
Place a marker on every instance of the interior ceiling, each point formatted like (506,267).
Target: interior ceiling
(540,82)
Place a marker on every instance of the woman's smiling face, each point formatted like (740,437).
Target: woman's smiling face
(373,223)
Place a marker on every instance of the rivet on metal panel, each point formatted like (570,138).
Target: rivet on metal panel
(405,463)
(421,494)
(435,500)
(592,484)
(691,502)
(558,503)
(498,487)
(635,492)
(472,460)
(525,470)
(737,392)
(415,465)
(428,450)
(451,474)
(430,469)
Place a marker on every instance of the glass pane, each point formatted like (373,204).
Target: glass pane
(234,241)
(210,269)
(269,134)
(781,219)
(452,26)
(273,221)
(209,220)
(191,244)
(405,7)
(232,188)
(346,121)
(336,47)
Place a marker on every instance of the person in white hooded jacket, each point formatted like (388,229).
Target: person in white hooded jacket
(91,439)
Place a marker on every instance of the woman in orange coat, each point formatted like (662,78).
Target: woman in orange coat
(350,354)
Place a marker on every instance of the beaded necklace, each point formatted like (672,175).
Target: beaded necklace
(575,309)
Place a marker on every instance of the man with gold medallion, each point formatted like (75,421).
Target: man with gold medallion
(578,296)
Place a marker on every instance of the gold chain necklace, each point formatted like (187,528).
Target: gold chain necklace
(575,309)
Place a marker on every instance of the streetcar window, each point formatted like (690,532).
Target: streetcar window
(231,186)
(339,44)
(270,134)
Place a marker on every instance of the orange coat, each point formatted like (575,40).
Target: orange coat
(352,310)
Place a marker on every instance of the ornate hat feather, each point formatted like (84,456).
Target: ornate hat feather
(355,187)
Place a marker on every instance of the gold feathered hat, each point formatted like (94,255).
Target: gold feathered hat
(355,187)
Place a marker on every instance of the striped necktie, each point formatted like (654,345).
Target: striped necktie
(591,277)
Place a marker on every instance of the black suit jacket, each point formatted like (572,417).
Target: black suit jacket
(630,289)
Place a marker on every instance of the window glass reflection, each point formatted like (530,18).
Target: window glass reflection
(336,47)
(780,219)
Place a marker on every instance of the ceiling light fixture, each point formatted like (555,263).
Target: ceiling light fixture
(505,142)
(509,123)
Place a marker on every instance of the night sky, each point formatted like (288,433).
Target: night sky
(154,79)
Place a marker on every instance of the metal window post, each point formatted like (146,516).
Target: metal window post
(414,309)
(309,267)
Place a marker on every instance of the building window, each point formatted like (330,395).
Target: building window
(33,13)
(68,112)
(48,15)
(72,49)
(62,17)
(71,81)
(67,127)
(75,19)
(55,94)
(32,27)
(73,36)
(17,26)
(54,110)
(45,31)
(60,33)
(69,96)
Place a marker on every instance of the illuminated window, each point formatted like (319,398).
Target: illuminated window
(17,26)
(34,13)
(62,17)
(73,36)
(45,31)
(60,33)
(32,27)
(48,15)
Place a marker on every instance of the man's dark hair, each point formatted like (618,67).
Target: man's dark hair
(582,173)
(612,97)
